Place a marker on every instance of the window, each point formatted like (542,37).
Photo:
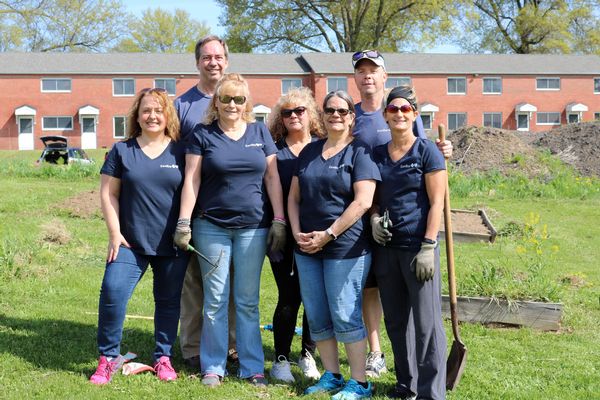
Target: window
(337,84)
(394,81)
(57,123)
(166,83)
(492,120)
(88,125)
(287,84)
(548,118)
(597,85)
(123,87)
(457,85)
(573,118)
(597,116)
(456,120)
(426,118)
(522,122)
(25,125)
(56,85)
(547,84)
(119,127)
(492,85)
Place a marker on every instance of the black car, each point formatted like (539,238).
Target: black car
(57,151)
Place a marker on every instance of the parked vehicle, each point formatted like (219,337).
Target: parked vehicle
(57,151)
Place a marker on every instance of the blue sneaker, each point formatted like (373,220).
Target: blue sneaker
(327,383)
(354,390)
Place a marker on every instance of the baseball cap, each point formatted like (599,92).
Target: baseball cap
(372,55)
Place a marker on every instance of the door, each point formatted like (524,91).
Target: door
(573,118)
(88,133)
(523,122)
(25,133)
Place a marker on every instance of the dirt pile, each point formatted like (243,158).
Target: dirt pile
(83,205)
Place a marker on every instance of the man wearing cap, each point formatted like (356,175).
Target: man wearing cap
(370,126)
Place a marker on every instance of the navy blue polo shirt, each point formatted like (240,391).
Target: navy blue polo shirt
(150,194)
(232,190)
(402,190)
(326,191)
(371,128)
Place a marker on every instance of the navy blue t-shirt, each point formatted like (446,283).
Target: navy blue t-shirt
(326,191)
(150,194)
(402,190)
(232,190)
(371,128)
(191,107)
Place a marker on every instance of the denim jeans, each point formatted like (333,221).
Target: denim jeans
(120,279)
(332,295)
(247,247)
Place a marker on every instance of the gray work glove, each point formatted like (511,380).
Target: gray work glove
(423,264)
(380,233)
(182,236)
(277,236)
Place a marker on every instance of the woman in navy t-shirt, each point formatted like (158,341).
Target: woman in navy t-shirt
(140,193)
(295,123)
(331,190)
(406,261)
(233,189)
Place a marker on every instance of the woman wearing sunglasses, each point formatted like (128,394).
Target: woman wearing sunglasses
(140,189)
(295,123)
(332,188)
(406,260)
(232,188)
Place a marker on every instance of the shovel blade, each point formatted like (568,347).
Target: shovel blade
(456,364)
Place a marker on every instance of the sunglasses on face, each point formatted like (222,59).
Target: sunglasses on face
(239,100)
(359,55)
(405,108)
(287,112)
(341,111)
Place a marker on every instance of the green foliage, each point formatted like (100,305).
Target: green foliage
(26,169)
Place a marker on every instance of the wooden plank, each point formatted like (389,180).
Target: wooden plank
(536,315)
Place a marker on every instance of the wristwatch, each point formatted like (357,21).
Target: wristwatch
(429,241)
(331,234)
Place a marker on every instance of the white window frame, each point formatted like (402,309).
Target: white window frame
(537,118)
(498,78)
(115,127)
(597,116)
(292,84)
(123,79)
(597,79)
(430,116)
(547,78)
(456,93)
(165,79)
(390,79)
(44,128)
(456,113)
(492,114)
(57,90)
(577,114)
(337,78)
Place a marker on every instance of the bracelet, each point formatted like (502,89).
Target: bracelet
(183,222)
(280,219)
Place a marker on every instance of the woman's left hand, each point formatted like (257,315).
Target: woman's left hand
(314,241)
(277,236)
(445,147)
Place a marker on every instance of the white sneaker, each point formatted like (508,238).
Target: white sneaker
(309,367)
(281,370)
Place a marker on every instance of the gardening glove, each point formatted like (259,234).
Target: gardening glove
(380,233)
(183,234)
(423,265)
(276,237)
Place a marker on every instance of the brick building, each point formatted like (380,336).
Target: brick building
(86,96)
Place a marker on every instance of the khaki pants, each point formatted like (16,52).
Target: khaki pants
(190,320)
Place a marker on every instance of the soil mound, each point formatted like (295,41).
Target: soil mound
(83,205)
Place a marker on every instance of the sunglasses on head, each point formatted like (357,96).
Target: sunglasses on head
(365,54)
(342,111)
(239,100)
(153,90)
(287,112)
(405,108)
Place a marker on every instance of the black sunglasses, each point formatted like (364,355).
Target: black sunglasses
(359,55)
(405,108)
(287,112)
(342,111)
(239,100)
(150,90)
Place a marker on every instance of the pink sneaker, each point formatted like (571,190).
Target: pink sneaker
(164,370)
(105,371)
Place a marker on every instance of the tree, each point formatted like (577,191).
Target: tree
(333,25)
(531,26)
(163,32)
(60,25)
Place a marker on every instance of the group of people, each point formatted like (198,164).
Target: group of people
(345,202)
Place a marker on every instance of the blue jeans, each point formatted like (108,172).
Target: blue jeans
(332,295)
(120,279)
(247,247)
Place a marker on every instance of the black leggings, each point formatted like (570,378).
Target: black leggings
(288,304)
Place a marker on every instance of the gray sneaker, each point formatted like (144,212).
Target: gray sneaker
(375,366)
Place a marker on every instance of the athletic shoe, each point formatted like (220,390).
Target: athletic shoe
(309,367)
(354,390)
(164,370)
(375,366)
(327,383)
(105,371)
(281,370)
(211,380)
(258,380)
(402,394)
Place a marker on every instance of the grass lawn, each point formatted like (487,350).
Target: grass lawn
(51,266)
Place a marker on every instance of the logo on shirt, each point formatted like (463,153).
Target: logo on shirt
(254,145)
(411,165)
(383,130)
(337,166)
(173,166)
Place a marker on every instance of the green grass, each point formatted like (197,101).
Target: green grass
(49,293)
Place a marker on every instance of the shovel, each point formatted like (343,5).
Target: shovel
(214,265)
(458,353)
